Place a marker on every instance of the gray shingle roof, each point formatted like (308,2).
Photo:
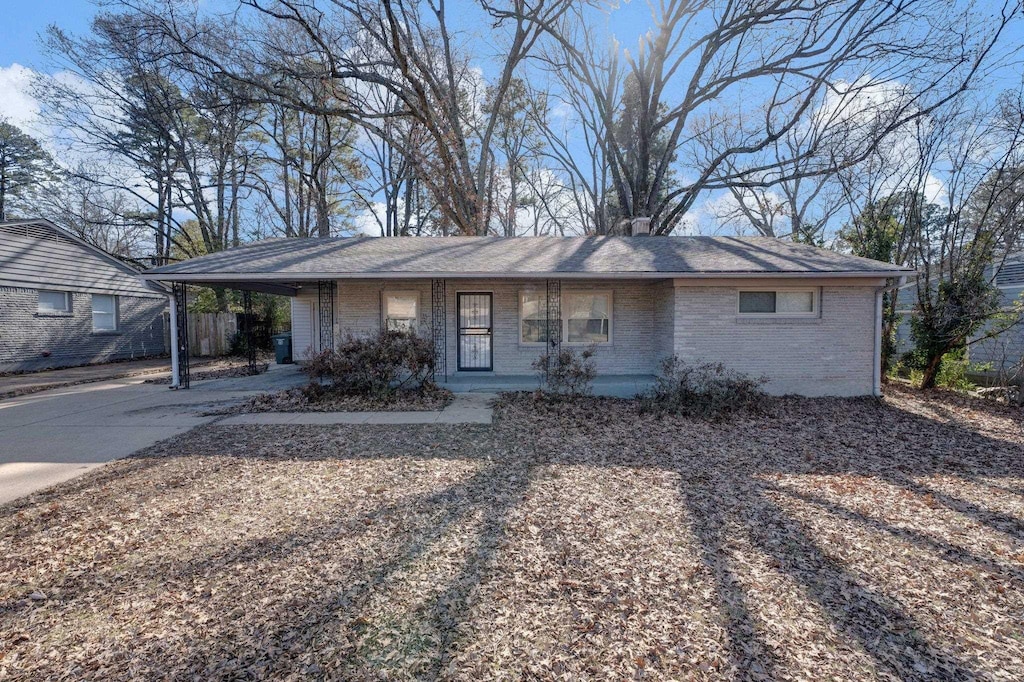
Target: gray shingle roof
(297,259)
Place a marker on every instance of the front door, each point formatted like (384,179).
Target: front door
(476,331)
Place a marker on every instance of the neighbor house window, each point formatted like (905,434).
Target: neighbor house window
(786,302)
(401,310)
(104,313)
(54,302)
(586,317)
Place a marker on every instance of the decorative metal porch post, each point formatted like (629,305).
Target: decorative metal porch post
(554,322)
(180,293)
(325,310)
(439,327)
(250,340)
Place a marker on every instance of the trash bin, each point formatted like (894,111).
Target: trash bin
(283,348)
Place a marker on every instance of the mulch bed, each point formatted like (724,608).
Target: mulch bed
(828,539)
(299,400)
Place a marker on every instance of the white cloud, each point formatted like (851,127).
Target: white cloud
(17,104)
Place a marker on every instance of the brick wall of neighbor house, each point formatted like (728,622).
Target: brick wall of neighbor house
(25,334)
(832,354)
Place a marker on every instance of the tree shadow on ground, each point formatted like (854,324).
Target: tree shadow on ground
(723,488)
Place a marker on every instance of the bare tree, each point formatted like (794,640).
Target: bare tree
(725,82)
(176,138)
(409,50)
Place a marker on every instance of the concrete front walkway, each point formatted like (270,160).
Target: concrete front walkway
(465,408)
(55,435)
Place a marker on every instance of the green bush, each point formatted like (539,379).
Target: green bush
(953,371)
(377,365)
(566,372)
(706,391)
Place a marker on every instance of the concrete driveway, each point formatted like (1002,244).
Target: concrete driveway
(52,436)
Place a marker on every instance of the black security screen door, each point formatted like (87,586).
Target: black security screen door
(475,332)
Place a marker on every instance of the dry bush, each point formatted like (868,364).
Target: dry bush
(706,391)
(378,365)
(566,373)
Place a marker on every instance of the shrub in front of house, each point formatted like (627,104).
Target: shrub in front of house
(706,391)
(566,372)
(376,365)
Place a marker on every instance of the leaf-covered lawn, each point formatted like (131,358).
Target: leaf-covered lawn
(834,539)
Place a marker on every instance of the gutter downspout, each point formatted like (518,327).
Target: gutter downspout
(876,389)
(174,342)
(876,373)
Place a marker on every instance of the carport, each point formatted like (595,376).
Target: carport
(179,285)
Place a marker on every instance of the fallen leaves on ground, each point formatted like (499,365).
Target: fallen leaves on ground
(300,399)
(829,539)
(229,368)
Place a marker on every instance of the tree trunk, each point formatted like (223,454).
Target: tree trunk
(222,299)
(931,371)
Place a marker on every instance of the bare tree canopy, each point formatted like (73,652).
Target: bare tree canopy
(510,117)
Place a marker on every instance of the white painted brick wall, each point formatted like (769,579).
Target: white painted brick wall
(358,311)
(828,355)
(664,319)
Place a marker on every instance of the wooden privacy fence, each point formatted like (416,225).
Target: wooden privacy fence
(210,334)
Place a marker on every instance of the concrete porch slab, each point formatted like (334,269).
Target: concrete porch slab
(612,385)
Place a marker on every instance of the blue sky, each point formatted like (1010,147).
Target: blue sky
(24,20)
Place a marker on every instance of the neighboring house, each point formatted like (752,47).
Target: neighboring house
(998,353)
(806,318)
(1003,352)
(64,302)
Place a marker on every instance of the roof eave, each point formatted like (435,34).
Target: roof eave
(223,277)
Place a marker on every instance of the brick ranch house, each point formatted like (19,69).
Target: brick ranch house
(806,318)
(65,302)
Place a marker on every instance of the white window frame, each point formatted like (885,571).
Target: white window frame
(566,293)
(397,293)
(47,311)
(815,302)
(92,305)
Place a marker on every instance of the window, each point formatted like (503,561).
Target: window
(791,302)
(54,302)
(401,310)
(533,307)
(104,313)
(586,317)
